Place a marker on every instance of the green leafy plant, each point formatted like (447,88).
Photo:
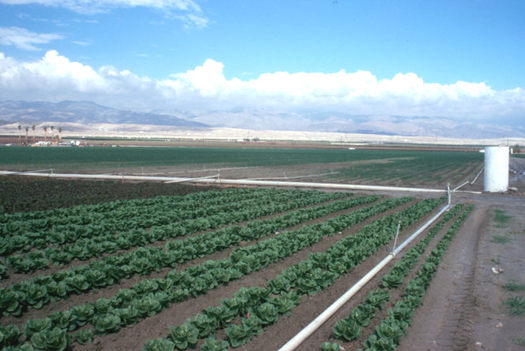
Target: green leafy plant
(36,325)
(9,335)
(346,329)
(9,303)
(107,323)
(500,239)
(515,306)
(81,315)
(362,314)
(61,320)
(84,336)
(212,344)
(148,306)
(253,323)
(393,279)
(50,340)
(330,346)
(514,285)
(377,298)
(519,341)
(159,345)
(501,218)
(78,283)
(374,342)
(238,335)
(3,270)
(285,302)
(267,312)
(205,324)
(184,336)
(128,315)
(392,329)
(102,306)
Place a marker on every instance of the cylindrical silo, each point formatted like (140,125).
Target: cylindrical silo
(496,169)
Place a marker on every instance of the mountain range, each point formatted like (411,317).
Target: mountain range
(83,112)
(90,113)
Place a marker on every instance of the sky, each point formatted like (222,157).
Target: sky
(349,61)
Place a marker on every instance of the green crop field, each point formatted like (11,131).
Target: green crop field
(103,157)
(210,270)
(400,167)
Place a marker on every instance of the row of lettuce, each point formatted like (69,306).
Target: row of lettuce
(237,320)
(251,309)
(389,331)
(39,291)
(104,244)
(227,207)
(150,296)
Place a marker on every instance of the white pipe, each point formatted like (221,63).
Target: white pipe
(230,181)
(298,339)
(397,235)
(461,186)
(296,177)
(420,230)
(477,176)
(183,180)
(471,182)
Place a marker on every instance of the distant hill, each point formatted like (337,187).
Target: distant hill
(80,115)
(83,112)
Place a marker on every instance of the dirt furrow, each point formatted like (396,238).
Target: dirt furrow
(443,322)
(134,337)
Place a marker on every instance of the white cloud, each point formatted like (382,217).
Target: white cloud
(186,10)
(305,95)
(24,39)
(81,43)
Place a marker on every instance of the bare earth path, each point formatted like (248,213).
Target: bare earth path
(463,307)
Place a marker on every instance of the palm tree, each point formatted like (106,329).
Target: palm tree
(27,131)
(45,133)
(33,128)
(52,133)
(59,133)
(19,135)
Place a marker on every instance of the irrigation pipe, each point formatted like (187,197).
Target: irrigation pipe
(296,177)
(477,176)
(471,182)
(210,177)
(461,186)
(229,181)
(298,339)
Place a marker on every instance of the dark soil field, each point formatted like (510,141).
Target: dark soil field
(21,194)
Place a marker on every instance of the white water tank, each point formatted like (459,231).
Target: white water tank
(496,169)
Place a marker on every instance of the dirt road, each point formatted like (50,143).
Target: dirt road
(464,305)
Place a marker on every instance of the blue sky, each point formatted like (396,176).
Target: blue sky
(425,43)
(441,41)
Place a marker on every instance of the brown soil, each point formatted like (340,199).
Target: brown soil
(19,193)
(463,308)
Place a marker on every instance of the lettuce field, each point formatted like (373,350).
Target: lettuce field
(408,167)
(217,269)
